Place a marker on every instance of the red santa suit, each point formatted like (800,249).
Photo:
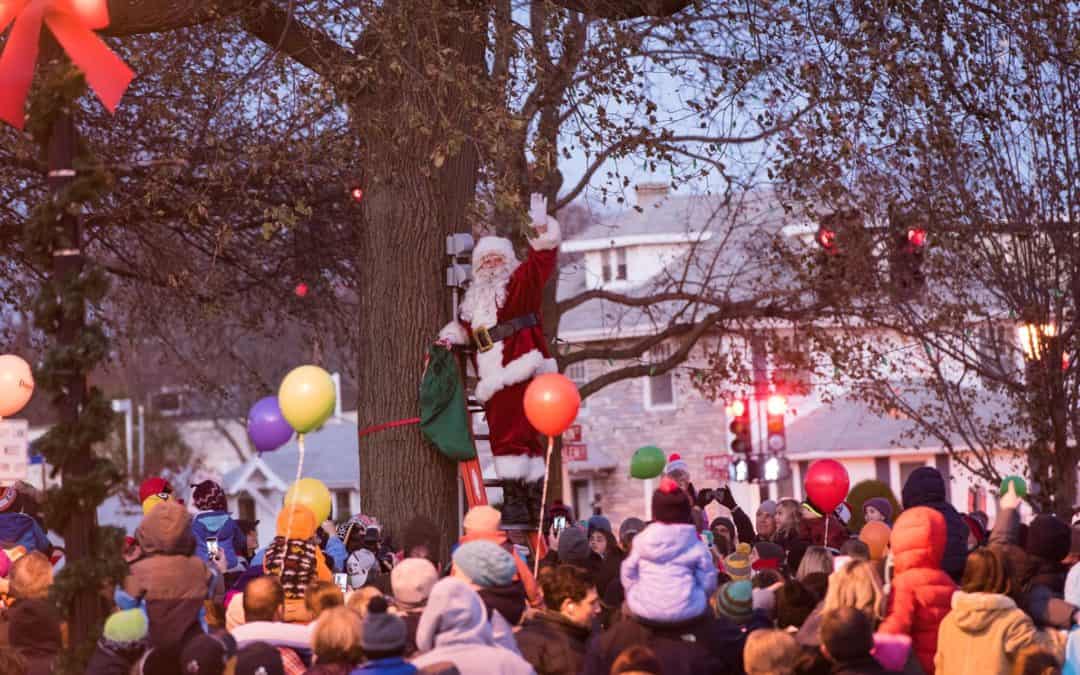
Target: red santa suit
(506,369)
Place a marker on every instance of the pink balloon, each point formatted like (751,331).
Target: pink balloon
(827,484)
(16,384)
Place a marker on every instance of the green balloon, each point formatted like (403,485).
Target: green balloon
(1020,485)
(648,462)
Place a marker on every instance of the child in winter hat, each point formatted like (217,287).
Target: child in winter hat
(734,601)
(122,643)
(213,522)
(384,639)
(877,509)
(669,575)
(737,565)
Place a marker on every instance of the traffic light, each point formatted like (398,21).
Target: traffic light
(741,439)
(775,436)
(909,238)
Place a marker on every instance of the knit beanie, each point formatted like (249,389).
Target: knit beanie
(768,506)
(670,504)
(411,581)
(601,523)
(486,564)
(794,603)
(734,600)
(259,658)
(676,463)
(207,654)
(726,522)
(482,518)
(737,565)
(882,505)
(126,627)
(150,502)
(209,496)
(153,486)
(1048,538)
(770,555)
(383,632)
(574,547)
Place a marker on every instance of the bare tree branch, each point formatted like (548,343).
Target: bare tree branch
(625,9)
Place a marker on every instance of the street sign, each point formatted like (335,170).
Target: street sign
(14,450)
(716,466)
(575,452)
(572,434)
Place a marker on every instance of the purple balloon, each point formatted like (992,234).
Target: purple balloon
(266,427)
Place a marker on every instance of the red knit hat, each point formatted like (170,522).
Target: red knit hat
(153,486)
(670,504)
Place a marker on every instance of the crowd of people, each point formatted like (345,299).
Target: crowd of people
(791,591)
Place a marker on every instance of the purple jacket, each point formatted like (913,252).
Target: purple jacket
(669,574)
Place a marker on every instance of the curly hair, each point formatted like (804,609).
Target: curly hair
(562,583)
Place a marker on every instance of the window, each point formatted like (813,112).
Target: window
(245,508)
(578,373)
(994,351)
(976,499)
(342,505)
(792,366)
(582,498)
(908,468)
(614,265)
(660,389)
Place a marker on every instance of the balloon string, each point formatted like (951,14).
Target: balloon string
(292,504)
(543,502)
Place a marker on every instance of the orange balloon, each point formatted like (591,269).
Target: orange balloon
(551,403)
(16,384)
(875,535)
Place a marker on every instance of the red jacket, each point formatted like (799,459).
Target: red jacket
(921,591)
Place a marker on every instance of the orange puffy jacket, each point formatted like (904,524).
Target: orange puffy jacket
(921,591)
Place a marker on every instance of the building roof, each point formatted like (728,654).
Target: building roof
(331,455)
(849,425)
(733,263)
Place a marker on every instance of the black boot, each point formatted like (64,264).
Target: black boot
(536,507)
(515,509)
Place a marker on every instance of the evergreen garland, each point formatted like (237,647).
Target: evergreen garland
(56,300)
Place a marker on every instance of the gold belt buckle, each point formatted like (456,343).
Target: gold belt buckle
(483,340)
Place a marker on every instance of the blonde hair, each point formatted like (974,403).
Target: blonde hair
(788,516)
(337,637)
(320,596)
(770,652)
(358,600)
(31,577)
(816,559)
(857,585)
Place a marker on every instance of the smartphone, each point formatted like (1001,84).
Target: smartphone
(211,546)
(342,581)
(707,538)
(559,525)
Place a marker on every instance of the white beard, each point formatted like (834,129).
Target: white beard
(486,296)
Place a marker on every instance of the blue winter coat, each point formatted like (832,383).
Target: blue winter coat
(391,666)
(926,487)
(669,574)
(21,529)
(220,524)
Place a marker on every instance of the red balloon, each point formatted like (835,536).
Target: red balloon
(551,403)
(827,484)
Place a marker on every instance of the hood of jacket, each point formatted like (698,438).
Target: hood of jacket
(213,524)
(918,539)
(666,542)
(302,526)
(924,486)
(974,612)
(508,600)
(454,615)
(166,530)
(34,627)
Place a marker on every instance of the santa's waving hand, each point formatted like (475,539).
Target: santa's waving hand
(500,317)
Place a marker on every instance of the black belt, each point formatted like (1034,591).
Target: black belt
(485,338)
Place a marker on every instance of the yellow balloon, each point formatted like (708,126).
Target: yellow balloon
(313,494)
(307,398)
(150,502)
(16,384)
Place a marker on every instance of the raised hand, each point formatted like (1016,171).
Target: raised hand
(538,211)
(1010,500)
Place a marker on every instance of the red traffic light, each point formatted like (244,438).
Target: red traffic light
(826,238)
(357,194)
(916,237)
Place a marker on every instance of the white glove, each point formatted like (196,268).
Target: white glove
(538,209)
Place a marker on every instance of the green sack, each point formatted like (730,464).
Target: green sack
(444,417)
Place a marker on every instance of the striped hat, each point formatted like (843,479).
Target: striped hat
(734,601)
(737,565)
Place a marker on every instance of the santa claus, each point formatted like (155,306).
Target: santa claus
(500,318)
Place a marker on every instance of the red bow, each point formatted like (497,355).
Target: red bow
(73,23)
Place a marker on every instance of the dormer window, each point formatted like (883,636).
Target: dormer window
(614,265)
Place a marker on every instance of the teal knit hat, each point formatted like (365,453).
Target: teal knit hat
(126,626)
(734,600)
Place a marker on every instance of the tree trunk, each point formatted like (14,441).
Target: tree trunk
(410,205)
